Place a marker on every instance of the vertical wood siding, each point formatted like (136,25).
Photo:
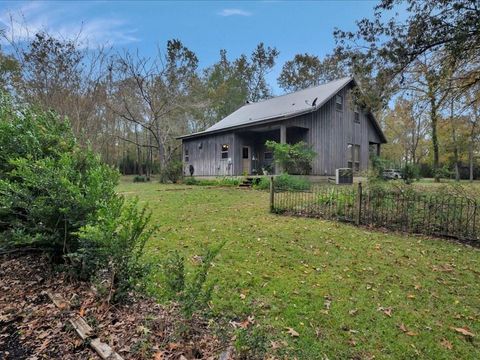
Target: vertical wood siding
(207,160)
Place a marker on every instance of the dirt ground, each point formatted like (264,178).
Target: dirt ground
(32,327)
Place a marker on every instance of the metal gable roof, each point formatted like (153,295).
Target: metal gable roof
(283,106)
(280,106)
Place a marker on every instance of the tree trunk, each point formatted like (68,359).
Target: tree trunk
(470,160)
(139,154)
(434,123)
(455,145)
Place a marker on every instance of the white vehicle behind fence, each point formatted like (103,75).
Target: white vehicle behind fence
(392,174)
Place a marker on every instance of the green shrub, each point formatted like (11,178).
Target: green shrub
(140,178)
(190,181)
(193,293)
(378,166)
(251,343)
(61,198)
(294,159)
(284,182)
(115,242)
(220,181)
(228,181)
(174,271)
(49,187)
(410,172)
(444,173)
(173,172)
(262,183)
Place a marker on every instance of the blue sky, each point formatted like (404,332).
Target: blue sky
(203,26)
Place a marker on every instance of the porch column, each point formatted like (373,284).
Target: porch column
(283,140)
(283,134)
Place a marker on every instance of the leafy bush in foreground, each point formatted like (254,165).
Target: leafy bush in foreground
(61,198)
(115,242)
(193,293)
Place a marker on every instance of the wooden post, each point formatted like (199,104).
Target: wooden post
(283,140)
(272,195)
(283,134)
(359,205)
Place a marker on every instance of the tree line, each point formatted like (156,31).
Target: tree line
(419,73)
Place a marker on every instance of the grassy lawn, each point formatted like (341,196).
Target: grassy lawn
(349,292)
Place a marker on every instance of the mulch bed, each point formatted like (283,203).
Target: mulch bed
(32,327)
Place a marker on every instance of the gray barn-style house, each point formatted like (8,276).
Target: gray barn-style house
(342,135)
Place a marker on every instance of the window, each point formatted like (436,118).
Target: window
(245,152)
(350,156)
(339,102)
(268,155)
(187,158)
(356,157)
(353,157)
(356,116)
(225,151)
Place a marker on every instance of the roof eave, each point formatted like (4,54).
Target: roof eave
(253,124)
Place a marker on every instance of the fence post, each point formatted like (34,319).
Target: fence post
(272,195)
(359,205)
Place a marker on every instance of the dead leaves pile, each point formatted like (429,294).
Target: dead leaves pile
(32,326)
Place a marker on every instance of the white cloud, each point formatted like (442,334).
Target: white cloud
(64,20)
(233,12)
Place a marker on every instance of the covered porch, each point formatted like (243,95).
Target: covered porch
(253,156)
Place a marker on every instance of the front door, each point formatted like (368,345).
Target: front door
(246,161)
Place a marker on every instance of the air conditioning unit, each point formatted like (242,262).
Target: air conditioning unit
(343,176)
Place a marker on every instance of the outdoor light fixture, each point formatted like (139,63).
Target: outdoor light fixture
(254,159)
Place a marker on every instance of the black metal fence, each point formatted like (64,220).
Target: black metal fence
(397,209)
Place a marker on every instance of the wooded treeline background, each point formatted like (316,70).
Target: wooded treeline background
(420,76)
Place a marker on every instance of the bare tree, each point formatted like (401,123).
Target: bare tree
(151,95)
(64,76)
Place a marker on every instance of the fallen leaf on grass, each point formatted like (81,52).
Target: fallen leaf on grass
(446,344)
(386,311)
(278,344)
(292,332)
(248,321)
(403,327)
(411,333)
(464,331)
